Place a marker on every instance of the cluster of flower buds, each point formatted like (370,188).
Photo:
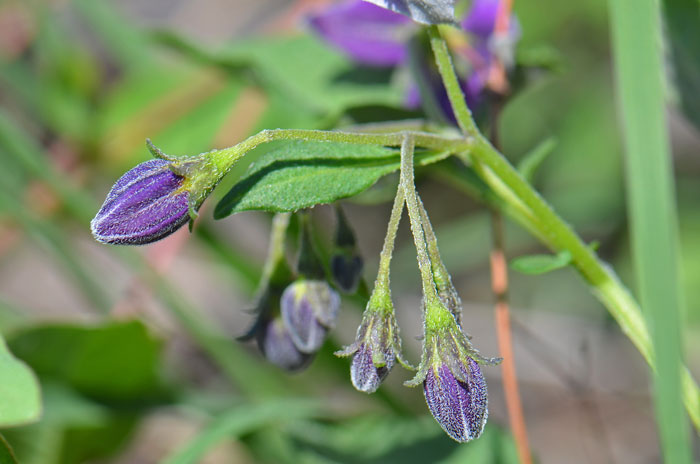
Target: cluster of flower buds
(293,315)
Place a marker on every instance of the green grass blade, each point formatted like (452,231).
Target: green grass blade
(636,37)
(240,420)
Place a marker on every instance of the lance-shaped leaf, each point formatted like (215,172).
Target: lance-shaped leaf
(303,174)
(422,11)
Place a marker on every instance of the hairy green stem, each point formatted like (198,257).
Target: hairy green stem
(224,159)
(407,184)
(498,173)
(389,240)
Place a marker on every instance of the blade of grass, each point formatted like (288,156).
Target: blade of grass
(240,420)
(636,35)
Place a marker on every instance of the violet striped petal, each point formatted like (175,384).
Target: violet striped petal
(365,376)
(461,408)
(146,204)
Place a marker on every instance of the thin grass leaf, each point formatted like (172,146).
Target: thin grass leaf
(637,52)
(240,420)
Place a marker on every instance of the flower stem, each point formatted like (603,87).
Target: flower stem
(388,248)
(407,184)
(224,159)
(554,231)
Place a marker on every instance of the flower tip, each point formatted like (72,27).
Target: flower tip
(145,205)
(365,375)
(460,408)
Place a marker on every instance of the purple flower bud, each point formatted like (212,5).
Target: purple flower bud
(277,346)
(146,204)
(346,270)
(377,346)
(309,309)
(461,408)
(454,387)
(365,375)
(369,34)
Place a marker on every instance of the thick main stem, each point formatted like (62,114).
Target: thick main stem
(555,232)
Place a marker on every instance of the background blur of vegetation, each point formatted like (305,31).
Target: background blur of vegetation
(135,349)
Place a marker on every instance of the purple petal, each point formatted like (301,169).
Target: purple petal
(144,205)
(299,316)
(369,34)
(481,19)
(277,346)
(365,376)
(460,408)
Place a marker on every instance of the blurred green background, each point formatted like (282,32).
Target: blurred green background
(134,348)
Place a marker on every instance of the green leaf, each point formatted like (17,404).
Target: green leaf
(532,160)
(302,174)
(73,429)
(653,221)
(682,18)
(116,362)
(541,264)
(240,420)
(6,454)
(20,399)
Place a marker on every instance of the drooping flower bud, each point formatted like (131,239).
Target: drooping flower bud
(346,262)
(454,387)
(377,346)
(276,345)
(146,204)
(309,309)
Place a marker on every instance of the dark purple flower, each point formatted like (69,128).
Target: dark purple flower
(461,408)
(309,309)
(369,34)
(146,204)
(346,269)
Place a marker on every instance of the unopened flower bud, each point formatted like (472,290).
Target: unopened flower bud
(454,387)
(154,199)
(461,408)
(277,346)
(346,262)
(309,309)
(146,204)
(377,346)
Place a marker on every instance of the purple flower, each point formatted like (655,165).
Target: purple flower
(146,204)
(367,33)
(377,346)
(309,309)
(461,408)
(454,387)
(481,18)
(375,36)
